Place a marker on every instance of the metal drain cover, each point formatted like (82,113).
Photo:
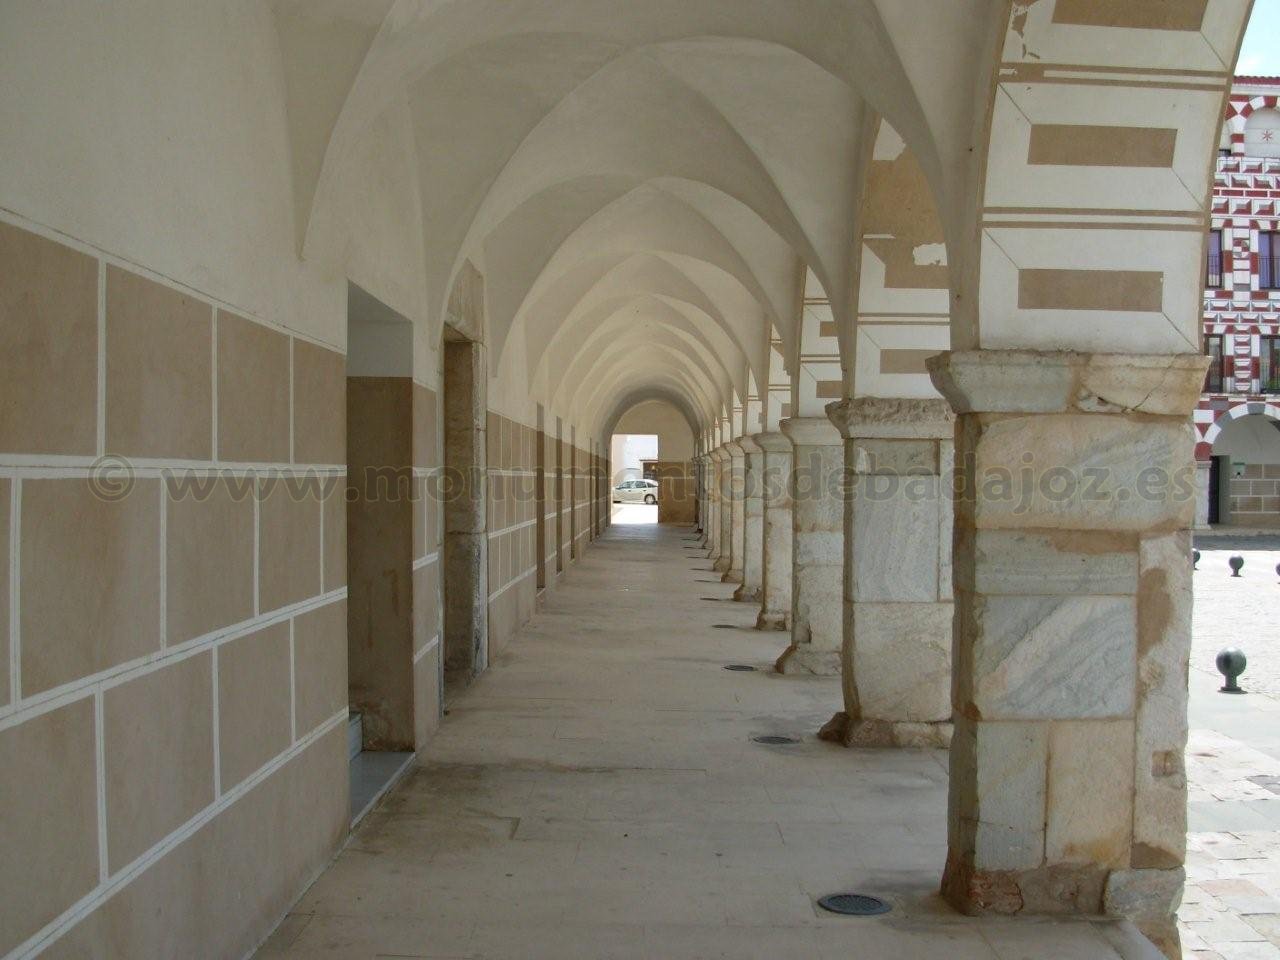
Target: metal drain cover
(773,740)
(740,668)
(713,599)
(854,905)
(727,626)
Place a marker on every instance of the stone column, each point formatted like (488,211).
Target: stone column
(1202,494)
(714,459)
(817,547)
(724,477)
(735,467)
(1076,492)
(896,654)
(704,493)
(752,521)
(775,601)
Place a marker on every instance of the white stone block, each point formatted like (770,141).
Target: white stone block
(901,655)
(1090,802)
(1042,658)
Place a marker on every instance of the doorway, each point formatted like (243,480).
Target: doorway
(380,512)
(633,489)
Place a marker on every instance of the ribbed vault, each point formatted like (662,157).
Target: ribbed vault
(642,185)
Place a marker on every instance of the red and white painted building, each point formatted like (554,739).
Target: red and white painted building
(1238,419)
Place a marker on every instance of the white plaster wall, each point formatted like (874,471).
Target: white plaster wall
(675,439)
(156,132)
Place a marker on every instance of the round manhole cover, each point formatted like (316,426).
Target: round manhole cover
(741,668)
(854,905)
(773,740)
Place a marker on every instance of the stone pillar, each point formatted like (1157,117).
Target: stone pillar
(896,654)
(704,499)
(817,547)
(724,478)
(1076,492)
(1202,494)
(752,521)
(713,504)
(736,469)
(775,600)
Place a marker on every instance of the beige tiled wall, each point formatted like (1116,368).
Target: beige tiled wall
(172,624)
(512,511)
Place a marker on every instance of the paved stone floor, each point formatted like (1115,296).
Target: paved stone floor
(1231,910)
(597,795)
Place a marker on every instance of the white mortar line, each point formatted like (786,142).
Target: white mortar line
(55,466)
(217,745)
(113,259)
(67,693)
(15,592)
(213,383)
(323,512)
(512,583)
(38,941)
(101,420)
(293,685)
(426,561)
(292,456)
(257,517)
(164,566)
(100,761)
(427,648)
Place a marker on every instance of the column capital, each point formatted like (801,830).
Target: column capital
(734,447)
(895,418)
(749,445)
(772,442)
(1036,381)
(719,453)
(810,432)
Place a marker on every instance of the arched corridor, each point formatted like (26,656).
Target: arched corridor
(317,321)
(597,794)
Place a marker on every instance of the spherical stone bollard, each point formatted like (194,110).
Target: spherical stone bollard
(1236,563)
(1195,560)
(1278,569)
(1231,663)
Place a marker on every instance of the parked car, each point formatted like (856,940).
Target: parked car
(636,491)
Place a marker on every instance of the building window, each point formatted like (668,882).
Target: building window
(1268,260)
(1269,365)
(1214,381)
(1224,153)
(1213,270)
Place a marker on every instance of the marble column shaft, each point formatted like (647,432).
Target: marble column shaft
(752,521)
(736,493)
(817,547)
(714,461)
(724,473)
(1075,497)
(775,602)
(896,651)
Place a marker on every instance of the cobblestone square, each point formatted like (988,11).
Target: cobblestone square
(1231,909)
